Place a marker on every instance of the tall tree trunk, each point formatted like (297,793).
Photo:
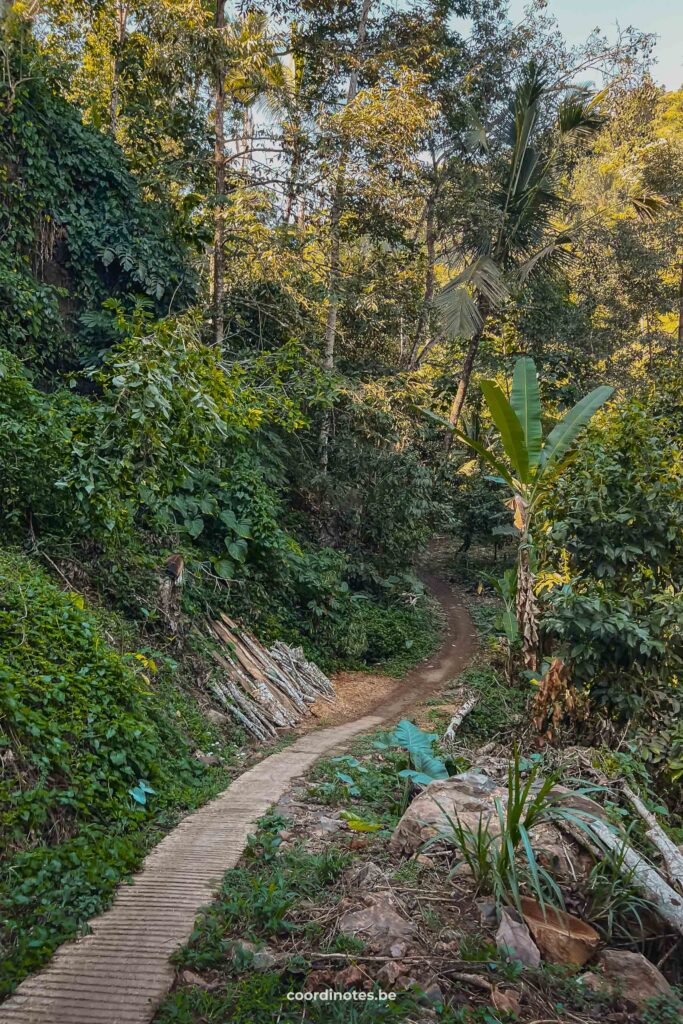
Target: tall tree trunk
(297,159)
(430,242)
(121,14)
(334,277)
(466,375)
(219,171)
(463,384)
(526,604)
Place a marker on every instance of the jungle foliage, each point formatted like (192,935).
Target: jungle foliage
(250,261)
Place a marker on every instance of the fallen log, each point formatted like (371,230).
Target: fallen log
(671,855)
(264,690)
(643,876)
(459,717)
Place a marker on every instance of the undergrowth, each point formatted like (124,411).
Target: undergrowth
(96,749)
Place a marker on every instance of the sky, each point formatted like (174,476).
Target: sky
(577,18)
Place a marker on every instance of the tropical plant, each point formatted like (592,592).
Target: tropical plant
(535,462)
(614,905)
(505,588)
(524,197)
(492,851)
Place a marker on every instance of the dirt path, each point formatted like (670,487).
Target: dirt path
(364,693)
(120,973)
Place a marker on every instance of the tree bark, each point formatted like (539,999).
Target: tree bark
(121,26)
(430,242)
(463,384)
(671,855)
(458,718)
(334,278)
(642,875)
(219,171)
(293,179)
(526,603)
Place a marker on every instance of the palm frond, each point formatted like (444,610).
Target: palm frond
(553,253)
(647,205)
(579,117)
(460,309)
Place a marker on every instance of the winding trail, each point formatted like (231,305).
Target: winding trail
(121,972)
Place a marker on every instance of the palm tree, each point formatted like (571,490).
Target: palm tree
(534,462)
(525,197)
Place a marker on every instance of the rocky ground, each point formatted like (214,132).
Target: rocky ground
(342,891)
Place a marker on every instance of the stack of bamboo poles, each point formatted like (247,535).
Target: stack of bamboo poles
(264,690)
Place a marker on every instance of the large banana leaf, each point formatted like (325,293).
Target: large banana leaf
(525,399)
(562,436)
(509,427)
(488,457)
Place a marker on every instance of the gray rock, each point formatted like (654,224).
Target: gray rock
(471,798)
(431,994)
(379,924)
(631,974)
(252,956)
(365,876)
(216,717)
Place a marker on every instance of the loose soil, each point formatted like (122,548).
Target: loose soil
(387,697)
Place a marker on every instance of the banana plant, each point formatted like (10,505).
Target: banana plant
(531,462)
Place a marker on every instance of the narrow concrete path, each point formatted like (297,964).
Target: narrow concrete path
(121,972)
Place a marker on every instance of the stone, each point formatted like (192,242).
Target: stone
(210,760)
(634,977)
(216,717)
(463,870)
(318,981)
(326,825)
(561,937)
(513,938)
(470,797)
(252,956)
(366,875)
(196,980)
(388,975)
(506,1000)
(351,977)
(488,914)
(379,924)
(594,983)
(431,994)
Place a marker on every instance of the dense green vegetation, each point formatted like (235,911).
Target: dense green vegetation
(96,751)
(255,266)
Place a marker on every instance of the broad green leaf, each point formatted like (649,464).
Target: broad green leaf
(224,569)
(562,436)
(420,777)
(509,427)
(413,739)
(426,763)
(503,473)
(525,399)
